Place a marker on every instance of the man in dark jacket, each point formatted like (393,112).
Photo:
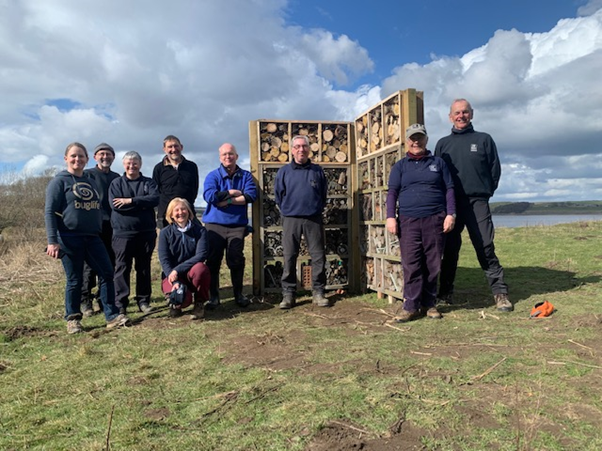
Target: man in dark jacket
(103,176)
(175,176)
(133,198)
(475,167)
(300,191)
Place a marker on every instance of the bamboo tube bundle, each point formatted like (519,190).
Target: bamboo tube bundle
(273,145)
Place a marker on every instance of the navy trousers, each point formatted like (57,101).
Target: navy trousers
(421,241)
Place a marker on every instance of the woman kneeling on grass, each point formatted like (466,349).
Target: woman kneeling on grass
(73,224)
(182,254)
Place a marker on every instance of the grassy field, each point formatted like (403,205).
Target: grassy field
(343,378)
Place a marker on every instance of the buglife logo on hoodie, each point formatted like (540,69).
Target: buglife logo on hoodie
(85,192)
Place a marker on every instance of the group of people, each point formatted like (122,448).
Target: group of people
(431,199)
(101,224)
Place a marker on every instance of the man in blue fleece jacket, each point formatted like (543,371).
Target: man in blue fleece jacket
(300,191)
(473,161)
(227,190)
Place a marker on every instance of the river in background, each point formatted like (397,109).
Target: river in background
(538,220)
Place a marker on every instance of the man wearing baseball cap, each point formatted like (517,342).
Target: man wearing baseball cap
(104,155)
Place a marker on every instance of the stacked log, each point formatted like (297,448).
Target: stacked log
(361,135)
(335,143)
(336,211)
(366,207)
(376,129)
(271,213)
(274,142)
(368,272)
(273,244)
(392,130)
(378,240)
(337,180)
(393,277)
(336,272)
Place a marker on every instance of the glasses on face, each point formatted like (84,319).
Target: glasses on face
(417,137)
(300,146)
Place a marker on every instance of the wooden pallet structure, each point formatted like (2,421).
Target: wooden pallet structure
(331,147)
(357,157)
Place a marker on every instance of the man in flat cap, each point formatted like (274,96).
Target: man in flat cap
(104,155)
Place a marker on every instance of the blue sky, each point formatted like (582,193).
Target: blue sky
(86,71)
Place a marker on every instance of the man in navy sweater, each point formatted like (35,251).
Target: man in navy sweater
(300,191)
(475,167)
(104,155)
(227,190)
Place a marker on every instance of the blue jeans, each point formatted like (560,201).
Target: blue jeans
(90,249)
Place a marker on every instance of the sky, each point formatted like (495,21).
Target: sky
(130,72)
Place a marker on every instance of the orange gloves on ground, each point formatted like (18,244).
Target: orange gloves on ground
(542,309)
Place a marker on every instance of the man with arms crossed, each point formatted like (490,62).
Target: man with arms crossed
(227,190)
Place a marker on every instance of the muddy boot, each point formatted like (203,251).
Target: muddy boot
(198,311)
(237,275)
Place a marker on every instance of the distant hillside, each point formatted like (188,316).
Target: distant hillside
(547,208)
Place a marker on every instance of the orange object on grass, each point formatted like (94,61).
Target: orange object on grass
(542,309)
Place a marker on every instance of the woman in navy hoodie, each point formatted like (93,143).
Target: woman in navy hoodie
(73,224)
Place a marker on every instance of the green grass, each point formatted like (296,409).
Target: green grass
(273,380)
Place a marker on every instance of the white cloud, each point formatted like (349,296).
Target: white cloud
(538,95)
(202,70)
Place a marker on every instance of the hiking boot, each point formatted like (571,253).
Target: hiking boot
(406,316)
(119,321)
(319,299)
(445,299)
(288,301)
(174,312)
(86,308)
(502,303)
(145,307)
(198,311)
(74,326)
(433,313)
(212,303)
(242,300)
